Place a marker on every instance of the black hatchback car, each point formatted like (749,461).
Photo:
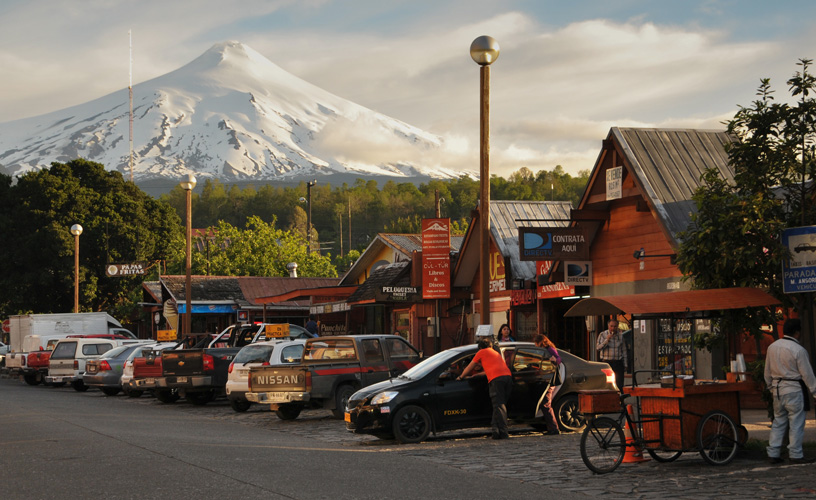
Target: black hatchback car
(428,398)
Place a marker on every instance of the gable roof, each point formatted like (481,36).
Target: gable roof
(506,217)
(395,274)
(666,165)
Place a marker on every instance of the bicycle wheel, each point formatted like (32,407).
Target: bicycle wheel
(602,445)
(664,456)
(717,438)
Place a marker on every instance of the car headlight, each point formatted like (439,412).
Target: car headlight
(383,397)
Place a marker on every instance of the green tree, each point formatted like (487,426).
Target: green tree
(735,236)
(120,224)
(260,249)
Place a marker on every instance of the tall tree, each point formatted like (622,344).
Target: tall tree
(735,236)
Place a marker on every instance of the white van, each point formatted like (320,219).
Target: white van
(67,363)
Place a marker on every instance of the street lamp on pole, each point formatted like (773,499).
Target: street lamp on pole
(308,201)
(188,184)
(484,50)
(76,230)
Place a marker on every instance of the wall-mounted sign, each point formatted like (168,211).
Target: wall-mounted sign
(553,243)
(578,273)
(436,258)
(328,308)
(398,294)
(614,183)
(799,273)
(131,269)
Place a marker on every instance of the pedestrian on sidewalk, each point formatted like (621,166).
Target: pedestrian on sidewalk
(612,349)
(790,378)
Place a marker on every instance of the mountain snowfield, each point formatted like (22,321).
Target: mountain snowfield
(230,114)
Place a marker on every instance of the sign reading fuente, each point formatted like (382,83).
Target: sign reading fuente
(553,243)
(398,294)
(614,183)
(799,273)
(131,269)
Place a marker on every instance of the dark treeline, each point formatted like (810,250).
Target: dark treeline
(393,207)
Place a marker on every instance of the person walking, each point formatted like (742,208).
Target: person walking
(612,349)
(790,378)
(500,383)
(545,404)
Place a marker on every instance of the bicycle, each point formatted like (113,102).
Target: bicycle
(603,444)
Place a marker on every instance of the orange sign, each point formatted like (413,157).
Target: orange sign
(551,291)
(435,258)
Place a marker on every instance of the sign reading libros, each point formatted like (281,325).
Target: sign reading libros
(435,258)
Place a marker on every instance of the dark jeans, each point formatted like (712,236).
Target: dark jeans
(619,369)
(500,389)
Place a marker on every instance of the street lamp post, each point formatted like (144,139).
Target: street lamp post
(188,184)
(484,50)
(308,201)
(76,230)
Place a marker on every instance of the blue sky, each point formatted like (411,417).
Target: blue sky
(568,70)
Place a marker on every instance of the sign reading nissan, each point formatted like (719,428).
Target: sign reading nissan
(553,243)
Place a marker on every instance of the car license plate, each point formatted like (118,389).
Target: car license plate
(146,381)
(347,417)
(274,397)
(181,380)
(92,369)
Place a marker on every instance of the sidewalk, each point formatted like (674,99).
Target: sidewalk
(759,425)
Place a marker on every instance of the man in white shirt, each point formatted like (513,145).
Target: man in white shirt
(786,364)
(612,349)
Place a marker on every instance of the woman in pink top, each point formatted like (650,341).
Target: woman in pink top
(500,384)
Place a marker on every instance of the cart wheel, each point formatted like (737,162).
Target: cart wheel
(602,445)
(717,438)
(664,456)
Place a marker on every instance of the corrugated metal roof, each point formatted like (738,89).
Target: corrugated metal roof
(669,162)
(506,217)
(242,291)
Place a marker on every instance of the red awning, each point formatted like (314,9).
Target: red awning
(674,302)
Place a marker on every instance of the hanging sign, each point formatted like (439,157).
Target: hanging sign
(435,258)
(553,243)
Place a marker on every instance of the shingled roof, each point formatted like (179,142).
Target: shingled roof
(395,274)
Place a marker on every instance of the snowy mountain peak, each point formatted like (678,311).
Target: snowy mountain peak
(229,114)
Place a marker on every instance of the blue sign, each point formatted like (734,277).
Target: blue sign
(799,273)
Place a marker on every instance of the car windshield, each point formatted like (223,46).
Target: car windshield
(426,366)
(254,354)
(114,353)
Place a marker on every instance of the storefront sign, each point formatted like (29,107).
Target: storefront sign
(578,273)
(397,294)
(522,297)
(331,307)
(131,269)
(554,290)
(799,273)
(553,243)
(614,183)
(498,275)
(435,258)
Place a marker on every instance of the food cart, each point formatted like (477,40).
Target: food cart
(675,412)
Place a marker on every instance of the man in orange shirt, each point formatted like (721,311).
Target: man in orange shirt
(500,384)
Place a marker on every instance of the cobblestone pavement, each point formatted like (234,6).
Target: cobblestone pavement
(552,461)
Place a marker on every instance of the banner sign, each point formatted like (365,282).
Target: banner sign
(799,273)
(435,258)
(555,290)
(131,269)
(553,243)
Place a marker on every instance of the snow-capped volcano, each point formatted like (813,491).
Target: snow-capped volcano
(230,114)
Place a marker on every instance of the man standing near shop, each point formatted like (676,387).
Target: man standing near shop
(612,350)
(789,377)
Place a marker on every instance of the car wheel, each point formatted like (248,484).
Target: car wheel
(167,396)
(412,424)
(240,406)
(288,411)
(31,379)
(568,414)
(133,394)
(341,398)
(110,391)
(79,386)
(200,398)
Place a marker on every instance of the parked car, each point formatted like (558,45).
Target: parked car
(125,381)
(106,372)
(67,363)
(269,353)
(428,398)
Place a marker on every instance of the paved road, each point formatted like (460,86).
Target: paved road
(91,440)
